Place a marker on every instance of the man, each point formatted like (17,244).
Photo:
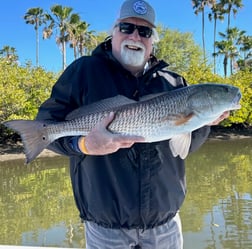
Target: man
(128,193)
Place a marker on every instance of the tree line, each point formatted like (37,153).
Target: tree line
(25,88)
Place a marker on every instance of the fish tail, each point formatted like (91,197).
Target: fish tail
(33,134)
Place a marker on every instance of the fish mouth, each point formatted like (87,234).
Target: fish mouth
(236,101)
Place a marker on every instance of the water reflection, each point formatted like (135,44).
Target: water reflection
(37,206)
(217,211)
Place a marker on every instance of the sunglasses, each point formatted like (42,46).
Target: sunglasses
(129,28)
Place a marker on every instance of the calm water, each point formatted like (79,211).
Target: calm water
(37,206)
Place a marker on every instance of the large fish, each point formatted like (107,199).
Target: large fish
(169,115)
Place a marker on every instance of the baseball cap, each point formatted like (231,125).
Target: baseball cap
(138,9)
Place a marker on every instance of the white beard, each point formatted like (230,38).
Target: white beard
(130,56)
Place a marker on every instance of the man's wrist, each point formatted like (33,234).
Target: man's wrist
(82,145)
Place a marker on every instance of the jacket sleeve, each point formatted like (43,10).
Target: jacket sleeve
(199,137)
(65,97)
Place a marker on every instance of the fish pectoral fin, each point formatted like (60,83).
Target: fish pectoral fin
(184,119)
(180,145)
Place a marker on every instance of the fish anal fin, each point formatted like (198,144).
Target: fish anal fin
(180,145)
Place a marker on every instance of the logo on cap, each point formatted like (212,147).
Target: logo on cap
(140,7)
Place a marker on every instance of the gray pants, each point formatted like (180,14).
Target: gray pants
(167,236)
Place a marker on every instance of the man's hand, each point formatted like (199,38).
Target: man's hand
(100,141)
(221,118)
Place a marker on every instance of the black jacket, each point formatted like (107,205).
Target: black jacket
(140,187)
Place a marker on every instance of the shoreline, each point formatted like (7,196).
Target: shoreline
(16,155)
(14,151)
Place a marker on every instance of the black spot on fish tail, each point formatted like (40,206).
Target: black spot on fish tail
(33,134)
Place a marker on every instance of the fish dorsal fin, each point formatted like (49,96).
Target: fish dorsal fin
(100,106)
(180,145)
(151,96)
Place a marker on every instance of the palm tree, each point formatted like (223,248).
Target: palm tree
(245,43)
(234,35)
(229,46)
(9,53)
(231,6)
(216,14)
(62,22)
(224,47)
(75,33)
(81,38)
(87,42)
(199,6)
(36,17)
